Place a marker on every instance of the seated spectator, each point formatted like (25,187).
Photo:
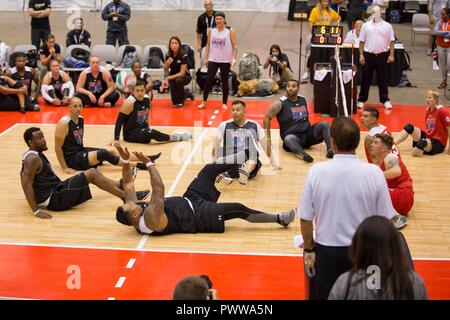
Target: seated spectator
(377,243)
(279,66)
(353,35)
(442,34)
(179,76)
(48,52)
(14,96)
(194,288)
(95,86)
(78,35)
(137,70)
(57,87)
(26,76)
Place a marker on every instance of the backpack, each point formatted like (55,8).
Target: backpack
(394,16)
(31,57)
(71,62)
(249,67)
(129,57)
(155,58)
(190,56)
(81,54)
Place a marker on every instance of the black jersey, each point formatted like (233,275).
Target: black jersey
(26,78)
(45,181)
(57,83)
(240,138)
(5,84)
(293,117)
(95,85)
(73,142)
(138,118)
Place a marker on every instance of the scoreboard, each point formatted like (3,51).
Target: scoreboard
(327,35)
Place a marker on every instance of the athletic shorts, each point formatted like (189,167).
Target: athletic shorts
(436,145)
(80,160)
(402,199)
(69,193)
(146,135)
(307,139)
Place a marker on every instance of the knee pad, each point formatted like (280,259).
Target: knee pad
(409,128)
(422,144)
(105,155)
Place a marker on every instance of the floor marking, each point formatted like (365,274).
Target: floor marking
(111,298)
(213,117)
(216,112)
(209,123)
(131,263)
(9,129)
(120,282)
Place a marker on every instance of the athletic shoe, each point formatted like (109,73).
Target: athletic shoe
(153,158)
(416,152)
(22,110)
(285,218)
(182,136)
(387,105)
(36,107)
(224,178)
(305,77)
(360,105)
(141,166)
(330,154)
(178,105)
(243,174)
(141,195)
(399,221)
(305,157)
(435,65)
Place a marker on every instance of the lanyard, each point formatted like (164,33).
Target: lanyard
(80,38)
(209,25)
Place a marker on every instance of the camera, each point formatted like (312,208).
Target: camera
(274,59)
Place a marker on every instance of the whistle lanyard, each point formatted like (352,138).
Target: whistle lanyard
(209,25)
(80,38)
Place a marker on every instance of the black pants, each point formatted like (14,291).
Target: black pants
(11,103)
(37,35)
(112,37)
(178,92)
(224,73)
(146,135)
(379,64)
(331,262)
(112,98)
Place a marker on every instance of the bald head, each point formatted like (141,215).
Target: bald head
(75,101)
(208,5)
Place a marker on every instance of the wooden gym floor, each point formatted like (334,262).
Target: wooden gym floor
(115,261)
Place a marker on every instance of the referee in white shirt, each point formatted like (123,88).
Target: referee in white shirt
(338,194)
(376,50)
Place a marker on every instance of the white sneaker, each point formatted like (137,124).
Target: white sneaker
(387,105)
(224,178)
(305,77)
(435,65)
(243,174)
(360,105)
(399,221)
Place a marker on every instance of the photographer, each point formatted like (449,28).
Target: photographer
(278,64)
(195,288)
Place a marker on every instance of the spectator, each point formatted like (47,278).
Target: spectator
(78,35)
(437,123)
(220,53)
(382,4)
(117,13)
(356,11)
(338,194)
(26,76)
(48,52)
(179,75)
(13,96)
(376,50)
(353,35)
(57,87)
(194,288)
(205,22)
(434,13)
(377,243)
(279,66)
(442,34)
(95,86)
(39,11)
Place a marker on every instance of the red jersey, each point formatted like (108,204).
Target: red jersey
(376,130)
(436,123)
(403,180)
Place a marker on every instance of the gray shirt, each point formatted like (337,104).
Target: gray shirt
(435,6)
(358,289)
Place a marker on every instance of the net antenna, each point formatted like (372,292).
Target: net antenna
(339,79)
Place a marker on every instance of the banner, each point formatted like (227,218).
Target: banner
(81,4)
(12,5)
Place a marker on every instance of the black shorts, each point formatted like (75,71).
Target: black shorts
(209,217)
(80,160)
(146,135)
(70,193)
(307,139)
(436,145)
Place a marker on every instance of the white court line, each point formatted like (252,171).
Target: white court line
(177,179)
(216,112)
(111,298)
(9,129)
(95,125)
(120,282)
(209,123)
(131,263)
(213,117)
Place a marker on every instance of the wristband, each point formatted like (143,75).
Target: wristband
(309,250)
(126,161)
(36,212)
(149,164)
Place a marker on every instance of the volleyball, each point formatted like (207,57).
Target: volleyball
(125,81)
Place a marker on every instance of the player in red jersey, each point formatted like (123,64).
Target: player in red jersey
(437,123)
(369,119)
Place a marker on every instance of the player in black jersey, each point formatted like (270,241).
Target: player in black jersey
(69,148)
(133,117)
(196,211)
(57,87)
(44,190)
(14,96)
(26,76)
(296,131)
(95,86)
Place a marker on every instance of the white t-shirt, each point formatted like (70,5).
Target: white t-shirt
(376,36)
(351,37)
(339,194)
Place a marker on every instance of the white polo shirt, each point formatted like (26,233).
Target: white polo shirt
(339,194)
(376,36)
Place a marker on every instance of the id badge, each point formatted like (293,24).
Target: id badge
(115,18)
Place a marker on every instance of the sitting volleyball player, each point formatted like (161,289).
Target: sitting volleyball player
(69,148)
(57,87)
(133,117)
(240,137)
(196,211)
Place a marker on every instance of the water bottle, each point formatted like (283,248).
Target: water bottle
(230,83)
